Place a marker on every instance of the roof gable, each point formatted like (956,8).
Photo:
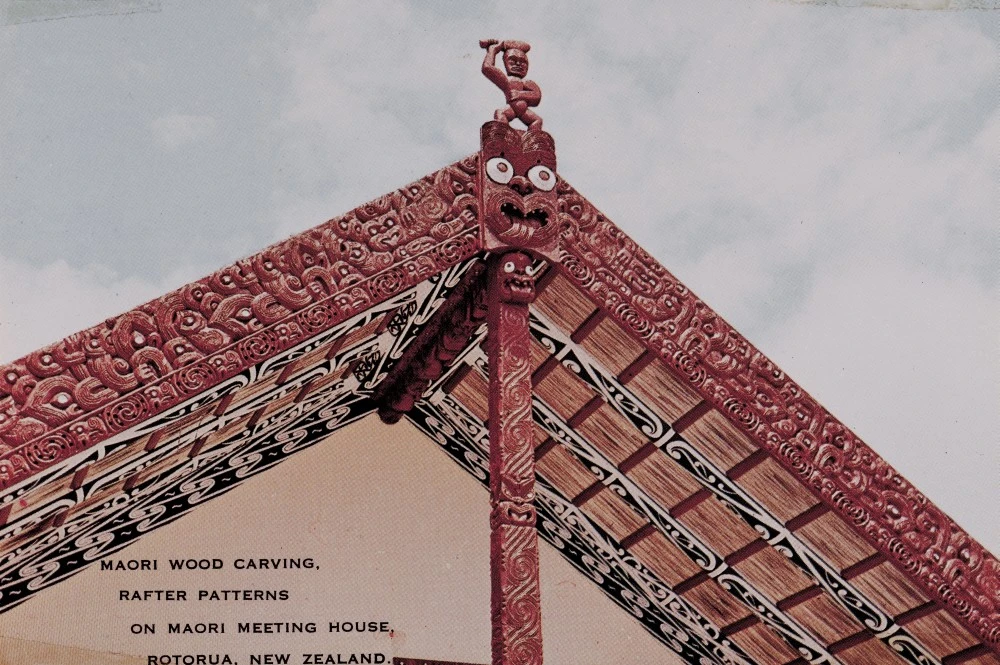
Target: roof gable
(216,363)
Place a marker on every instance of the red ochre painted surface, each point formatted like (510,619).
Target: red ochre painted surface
(69,396)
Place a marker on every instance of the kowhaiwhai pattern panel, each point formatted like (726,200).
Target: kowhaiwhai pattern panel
(743,384)
(106,513)
(669,617)
(770,528)
(71,395)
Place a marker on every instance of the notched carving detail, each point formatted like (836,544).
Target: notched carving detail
(77,392)
(760,399)
(436,346)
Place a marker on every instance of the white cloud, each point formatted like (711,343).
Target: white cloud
(175,130)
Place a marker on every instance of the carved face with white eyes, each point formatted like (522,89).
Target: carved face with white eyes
(518,176)
(517,279)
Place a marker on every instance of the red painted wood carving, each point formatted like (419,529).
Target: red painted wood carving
(73,394)
(521,95)
(518,180)
(736,378)
(437,345)
(515,602)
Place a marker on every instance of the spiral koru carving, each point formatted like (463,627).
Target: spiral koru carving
(102,380)
(516,608)
(742,384)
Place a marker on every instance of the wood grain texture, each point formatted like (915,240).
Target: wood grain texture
(777,490)
(764,646)
(717,604)
(663,391)
(611,433)
(663,479)
(661,556)
(888,587)
(941,633)
(825,619)
(762,402)
(835,541)
(611,346)
(719,440)
(563,304)
(718,526)
(773,574)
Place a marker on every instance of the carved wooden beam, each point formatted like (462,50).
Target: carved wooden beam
(749,389)
(515,602)
(436,346)
(70,396)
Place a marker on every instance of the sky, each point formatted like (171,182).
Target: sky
(824,177)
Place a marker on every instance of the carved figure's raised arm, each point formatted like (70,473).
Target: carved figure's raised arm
(490,68)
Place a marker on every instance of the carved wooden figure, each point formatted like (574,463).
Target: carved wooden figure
(515,604)
(520,94)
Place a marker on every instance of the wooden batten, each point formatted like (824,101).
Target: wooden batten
(560,468)
(663,479)
(658,386)
(835,541)
(715,603)
(564,392)
(888,587)
(825,619)
(773,574)
(611,346)
(657,553)
(328,379)
(869,652)
(978,654)
(941,633)
(611,512)
(777,490)
(563,304)
(718,526)
(472,391)
(539,355)
(764,646)
(362,333)
(719,440)
(611,433)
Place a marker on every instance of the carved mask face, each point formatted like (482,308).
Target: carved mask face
(517,279)
(517,170)
(516,63)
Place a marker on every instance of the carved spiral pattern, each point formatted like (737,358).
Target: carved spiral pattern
(48,449)
(667,616)
(195,378)
(86,386)
(517,628)
(737,379)
(515,604)
(127,412)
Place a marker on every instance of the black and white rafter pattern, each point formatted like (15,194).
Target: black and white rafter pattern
(771,529)
(105,517)
(666,615)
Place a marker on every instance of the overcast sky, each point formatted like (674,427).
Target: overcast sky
(824,177)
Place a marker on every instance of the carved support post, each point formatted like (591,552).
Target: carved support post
(515,602)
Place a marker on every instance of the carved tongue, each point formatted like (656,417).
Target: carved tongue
(536,218)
